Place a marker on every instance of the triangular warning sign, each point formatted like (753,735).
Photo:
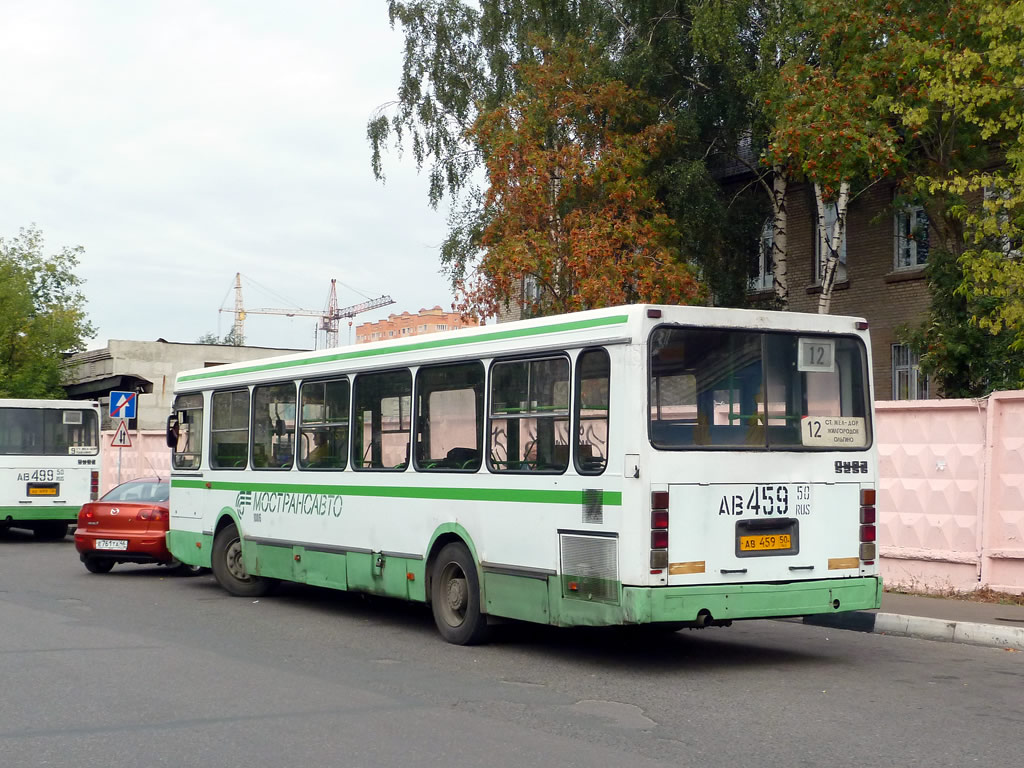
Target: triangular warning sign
(121,437)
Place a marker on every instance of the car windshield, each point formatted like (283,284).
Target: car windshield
(139,490)
(716,388)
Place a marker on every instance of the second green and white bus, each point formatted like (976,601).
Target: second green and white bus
(49,463)
(675,466)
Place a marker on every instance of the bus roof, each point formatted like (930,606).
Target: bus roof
(610,325)
(13,402)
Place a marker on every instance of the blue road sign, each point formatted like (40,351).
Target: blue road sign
(122,405)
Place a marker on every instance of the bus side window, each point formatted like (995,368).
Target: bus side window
(229,429)
(593,378)
(529,416)
(323,428)
(449,421)
(381,434)
(273,426)
(188,444)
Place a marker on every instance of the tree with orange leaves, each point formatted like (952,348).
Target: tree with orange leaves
(570,218)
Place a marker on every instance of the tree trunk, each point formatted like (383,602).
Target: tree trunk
(830,243)
(780,280)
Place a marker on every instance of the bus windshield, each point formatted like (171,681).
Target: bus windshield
(742,389)
(48,432)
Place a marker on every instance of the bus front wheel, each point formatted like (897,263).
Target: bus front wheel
(229,567)
(455,596)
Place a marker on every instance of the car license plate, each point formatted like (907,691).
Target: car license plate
(765,542)
(111,544)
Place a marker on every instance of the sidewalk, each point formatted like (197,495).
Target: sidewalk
(936,618)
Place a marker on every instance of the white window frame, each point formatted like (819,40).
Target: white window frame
(831,214)
(906,367)
(990,193)
(910,225)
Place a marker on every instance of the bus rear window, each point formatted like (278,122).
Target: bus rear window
(48,432)
(721,388)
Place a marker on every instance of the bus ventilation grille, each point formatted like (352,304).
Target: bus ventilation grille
(590,567)
(593,506)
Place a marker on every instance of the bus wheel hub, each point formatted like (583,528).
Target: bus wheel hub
(457,594)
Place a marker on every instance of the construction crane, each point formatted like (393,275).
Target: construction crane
(329,317)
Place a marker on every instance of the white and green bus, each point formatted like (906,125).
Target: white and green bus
(49,463)
(676,466)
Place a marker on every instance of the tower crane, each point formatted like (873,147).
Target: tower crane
(329,317)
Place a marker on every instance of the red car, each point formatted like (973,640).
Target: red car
(128,525)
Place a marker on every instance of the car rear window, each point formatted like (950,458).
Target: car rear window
(139,490)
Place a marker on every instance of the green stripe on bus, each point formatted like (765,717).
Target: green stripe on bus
(521,495)
(574,325)
(40,513)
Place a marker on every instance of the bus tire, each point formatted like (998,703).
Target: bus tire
(455,596)
(97,565)
(50,530)
(229,568)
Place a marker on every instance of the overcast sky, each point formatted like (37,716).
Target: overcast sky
(182,142)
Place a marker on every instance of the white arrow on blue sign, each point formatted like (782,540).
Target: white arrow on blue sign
(122,405)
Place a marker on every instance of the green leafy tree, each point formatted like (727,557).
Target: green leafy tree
(960,112)
(462,60)
(42,315)
(569,206)
(229,339)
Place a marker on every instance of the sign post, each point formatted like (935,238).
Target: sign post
(121,440)
(122,406)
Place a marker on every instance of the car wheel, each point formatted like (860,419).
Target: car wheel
(229,566)
(96,565)
(455,596)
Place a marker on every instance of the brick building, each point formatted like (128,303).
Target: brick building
(408,324)
(886,250)
(882,278)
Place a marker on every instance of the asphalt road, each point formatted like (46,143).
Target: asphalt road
(139,668)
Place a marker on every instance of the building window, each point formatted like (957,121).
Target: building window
(908,383)
(911,238)
(761,268)
(1000,200)
(831,214)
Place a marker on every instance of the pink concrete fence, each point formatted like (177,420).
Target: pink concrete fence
(951,496)
(148,456)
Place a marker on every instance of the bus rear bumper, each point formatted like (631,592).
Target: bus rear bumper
(727,602)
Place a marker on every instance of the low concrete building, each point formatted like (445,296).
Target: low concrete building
(149,368)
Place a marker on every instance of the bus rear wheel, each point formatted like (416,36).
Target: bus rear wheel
(50,530)
(229,567)
(455,596)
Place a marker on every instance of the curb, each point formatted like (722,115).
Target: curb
(967,632)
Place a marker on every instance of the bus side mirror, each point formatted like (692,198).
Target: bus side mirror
(173,428)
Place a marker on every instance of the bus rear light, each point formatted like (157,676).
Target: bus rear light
(659,559)
(659,499)
(867,497)
(867,515)
(867,533)
(94,485)
(659,519)
(653,313)
(574,586)
(659,539)
(868,551)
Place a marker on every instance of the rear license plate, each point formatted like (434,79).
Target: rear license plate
(766,542)
(111,544)
(42,489)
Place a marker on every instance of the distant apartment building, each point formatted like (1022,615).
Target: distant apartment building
(408,324)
